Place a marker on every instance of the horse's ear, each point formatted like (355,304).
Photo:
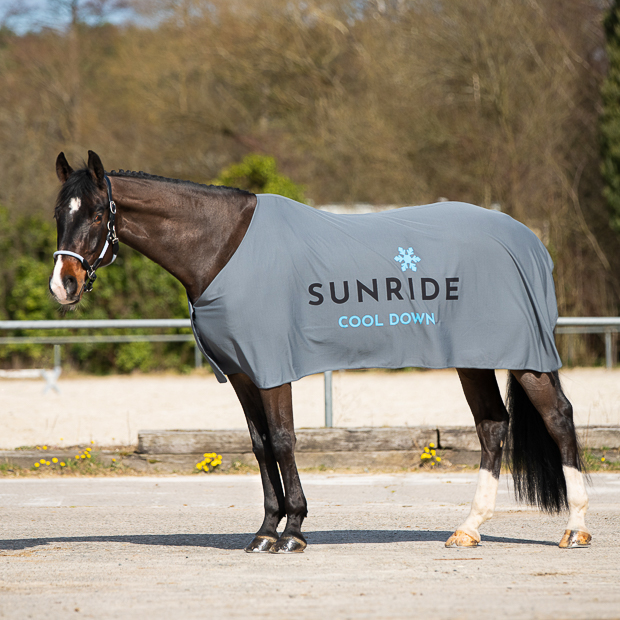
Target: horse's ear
(96,167)
(63,169)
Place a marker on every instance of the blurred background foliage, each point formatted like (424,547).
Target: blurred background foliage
(394,102)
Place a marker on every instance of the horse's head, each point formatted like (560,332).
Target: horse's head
(85,224)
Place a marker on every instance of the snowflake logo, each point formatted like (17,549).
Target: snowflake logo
(407,259)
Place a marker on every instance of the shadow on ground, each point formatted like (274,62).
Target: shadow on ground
(238,541)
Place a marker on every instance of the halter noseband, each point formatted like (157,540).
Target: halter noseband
(111,240)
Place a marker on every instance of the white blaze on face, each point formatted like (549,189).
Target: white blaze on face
(74,205)
(56,284)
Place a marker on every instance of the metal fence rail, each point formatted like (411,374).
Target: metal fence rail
(97,338)
(609,326)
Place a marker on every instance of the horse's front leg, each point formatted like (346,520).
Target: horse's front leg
(250,399)
(485,401)
(278,405)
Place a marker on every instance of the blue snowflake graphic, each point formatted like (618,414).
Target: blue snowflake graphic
(407,259)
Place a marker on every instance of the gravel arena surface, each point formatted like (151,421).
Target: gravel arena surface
(170,547)
(111,410)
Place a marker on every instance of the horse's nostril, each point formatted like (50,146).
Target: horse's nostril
(70,284)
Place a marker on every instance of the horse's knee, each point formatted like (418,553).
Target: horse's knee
(258,448)
(260,445)
(283,444)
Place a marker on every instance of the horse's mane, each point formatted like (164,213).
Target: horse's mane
(77,183)
(154,177)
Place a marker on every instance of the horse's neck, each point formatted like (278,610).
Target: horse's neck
(189,230)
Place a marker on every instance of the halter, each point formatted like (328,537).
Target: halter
(111,240)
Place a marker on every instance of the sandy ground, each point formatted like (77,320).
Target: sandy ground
(162,548)
(112,410)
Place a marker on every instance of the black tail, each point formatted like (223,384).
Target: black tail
(533,457)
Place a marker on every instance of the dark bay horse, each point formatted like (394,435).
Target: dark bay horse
(193,231)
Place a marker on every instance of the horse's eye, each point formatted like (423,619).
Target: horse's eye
(97,219)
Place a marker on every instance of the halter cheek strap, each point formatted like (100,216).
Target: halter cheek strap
(111,240)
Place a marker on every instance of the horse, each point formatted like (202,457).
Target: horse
(196,232)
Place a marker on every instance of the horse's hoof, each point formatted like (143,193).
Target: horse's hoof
(461,539)
(289,544)
(574,539)
(261,544)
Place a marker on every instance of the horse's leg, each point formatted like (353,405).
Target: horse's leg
(545,393)
(278,405)
(485,401)
(250,399)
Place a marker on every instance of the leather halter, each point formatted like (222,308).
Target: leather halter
(111,240)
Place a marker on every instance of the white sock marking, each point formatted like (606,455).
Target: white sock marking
(483,505)
(577,499)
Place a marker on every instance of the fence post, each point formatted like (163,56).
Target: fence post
(57,362)
(608,349)
(329,418)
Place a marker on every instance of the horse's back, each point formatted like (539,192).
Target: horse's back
(435,286)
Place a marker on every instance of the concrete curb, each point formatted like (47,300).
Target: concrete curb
(329,448)
(333,448)
(347,440)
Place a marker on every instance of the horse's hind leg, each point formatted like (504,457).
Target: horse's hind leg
(250,399)
(545,393)
(485,401)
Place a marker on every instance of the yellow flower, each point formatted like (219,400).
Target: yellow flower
(199,465)
(37,465)
(91,441)
(45,447)
(47,463)
(433,452)
(438,459)
(82,456)
(602,459)
(113,460)
(432,463)
(426,450)
(42,461)
(54,460)
(77,456)
(431,445)
(62,464)
(88,456)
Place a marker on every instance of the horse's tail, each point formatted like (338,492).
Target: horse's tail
(533,457)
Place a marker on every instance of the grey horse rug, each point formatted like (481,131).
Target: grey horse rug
(446,285)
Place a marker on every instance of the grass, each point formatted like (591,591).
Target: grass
(93,461)
(601,460)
